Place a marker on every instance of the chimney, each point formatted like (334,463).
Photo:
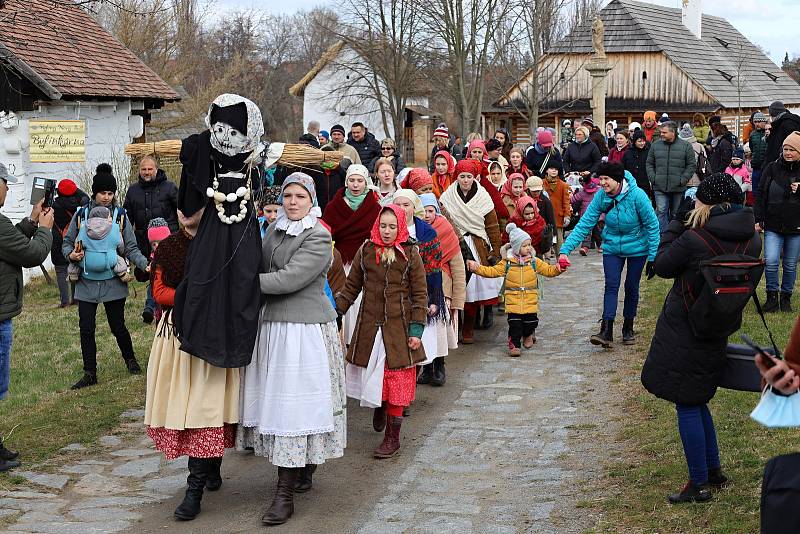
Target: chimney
(692,16)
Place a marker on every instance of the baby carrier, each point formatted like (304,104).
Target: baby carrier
(100,255)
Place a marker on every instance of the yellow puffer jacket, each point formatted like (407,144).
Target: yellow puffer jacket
(521,291)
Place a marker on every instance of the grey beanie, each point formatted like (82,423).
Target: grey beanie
(516,237)
(759,117)
(685,132)
(776,108)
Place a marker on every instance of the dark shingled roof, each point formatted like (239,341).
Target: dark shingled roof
(714,62)
(67,54)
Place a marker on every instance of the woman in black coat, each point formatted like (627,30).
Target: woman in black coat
(635,161)
(582,155)
(681,367)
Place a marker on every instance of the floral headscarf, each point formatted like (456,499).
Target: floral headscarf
(416,178)
(402,232)
(255,124)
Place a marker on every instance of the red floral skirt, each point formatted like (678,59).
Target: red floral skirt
(198,442)
(399,385)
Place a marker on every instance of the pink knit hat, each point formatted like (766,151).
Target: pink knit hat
(157,230)
(544,138)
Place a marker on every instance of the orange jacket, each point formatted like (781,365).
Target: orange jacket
(559,198)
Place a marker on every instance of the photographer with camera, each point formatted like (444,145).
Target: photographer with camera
(24,245)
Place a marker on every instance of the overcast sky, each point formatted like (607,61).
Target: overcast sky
(771,24)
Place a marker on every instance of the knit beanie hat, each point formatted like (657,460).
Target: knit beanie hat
(325,134)
(759,117)
(566,122)
(587,120)
(157,230)
(516,237)
(714,119)
(309,139)
(719,188)
(632,127)
(685,132)
(67,188)
(614,171)
(776,108)
(337,128)
(664,118)
(738,152)
(103,179)
(534,183)
(442,131)
(793,140)
(649,115)
(271,195)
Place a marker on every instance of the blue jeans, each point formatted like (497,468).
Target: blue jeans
(756,178)
(699,439)
(666,207)
(612,269)
(776,247)
(5,356)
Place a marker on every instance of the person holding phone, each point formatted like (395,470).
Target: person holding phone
(681,367)
(25,244)
(783,375)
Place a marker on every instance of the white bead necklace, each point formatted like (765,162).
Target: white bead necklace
(220,198)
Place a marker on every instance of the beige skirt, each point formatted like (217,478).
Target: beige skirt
(184,391)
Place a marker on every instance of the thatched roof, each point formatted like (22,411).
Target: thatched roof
(329,55)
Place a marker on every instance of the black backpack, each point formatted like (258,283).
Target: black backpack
(730,280)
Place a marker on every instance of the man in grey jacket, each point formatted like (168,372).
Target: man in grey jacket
(670,165)
(25,245)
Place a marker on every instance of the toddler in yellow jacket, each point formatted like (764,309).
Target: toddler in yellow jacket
(519,267)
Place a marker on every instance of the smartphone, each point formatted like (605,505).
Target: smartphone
(78,246)
(765,357)
(43,189)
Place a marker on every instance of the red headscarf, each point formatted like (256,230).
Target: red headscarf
(416,179)
(472,166)
(506,189)
(442,181)
(402,232)
(477,143)
(535,226)
(451,162)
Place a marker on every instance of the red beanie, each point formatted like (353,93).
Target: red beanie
(67,187)
(544,138)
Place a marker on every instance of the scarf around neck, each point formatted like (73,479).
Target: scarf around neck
(468,213)
(355,201)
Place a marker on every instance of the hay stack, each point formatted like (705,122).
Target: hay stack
(293,154)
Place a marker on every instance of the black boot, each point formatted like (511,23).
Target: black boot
(6,454)
(716,478)
(282,506)
(691,493)
(133,366)
(628,338)
(488,318)
(214,478)
(786,302)
(195,482)
(426,374)
(379,419)
(606,335)
(6,465)
(89,379)
(304,480)
(439,377)
(771,305)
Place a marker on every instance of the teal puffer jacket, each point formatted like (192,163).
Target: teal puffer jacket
(631,227)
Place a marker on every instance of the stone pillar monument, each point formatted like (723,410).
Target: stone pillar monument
(598,68)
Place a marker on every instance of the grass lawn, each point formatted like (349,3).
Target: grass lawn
(41,414)
(652,464)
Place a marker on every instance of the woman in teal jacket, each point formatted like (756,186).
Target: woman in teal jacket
(630,235)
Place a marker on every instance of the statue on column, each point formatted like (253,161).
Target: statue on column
(598,34)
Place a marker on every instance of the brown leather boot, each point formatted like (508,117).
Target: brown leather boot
(379,418)
(468,328)
(282,506)
(391,439)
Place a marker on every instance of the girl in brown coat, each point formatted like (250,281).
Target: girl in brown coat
(386,345)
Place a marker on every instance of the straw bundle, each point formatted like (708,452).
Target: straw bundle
(293,154)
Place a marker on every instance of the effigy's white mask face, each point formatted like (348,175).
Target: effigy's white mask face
(227,139)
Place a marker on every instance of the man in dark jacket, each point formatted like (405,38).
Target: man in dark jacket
(758,147)
(784,122)
(670,164)
(722,144)
(151,197)
(69,200)
(364,142)
(23,245)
